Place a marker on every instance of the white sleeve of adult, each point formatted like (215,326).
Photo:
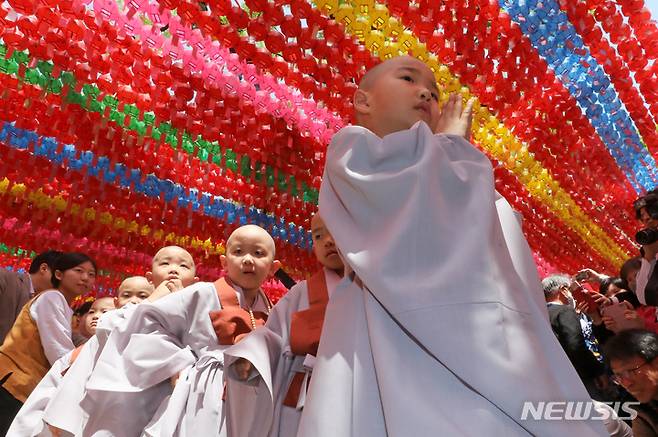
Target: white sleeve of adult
(51,313)
(643,279)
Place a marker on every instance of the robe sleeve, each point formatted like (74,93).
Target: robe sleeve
(64,410)
(433,198)
(157,341)
(113,319)
(265,345)
(29,420)
(264,348)
(415,217)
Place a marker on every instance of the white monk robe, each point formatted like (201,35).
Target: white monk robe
(439,329)
(193,406)
(274,366)
(29,420)
(66,410)
(159,341)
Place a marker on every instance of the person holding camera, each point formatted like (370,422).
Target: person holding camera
(646,211)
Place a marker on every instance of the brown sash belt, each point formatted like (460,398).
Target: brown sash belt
(232,322)
(305,331)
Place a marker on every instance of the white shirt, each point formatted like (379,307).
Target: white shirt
(52,314)
(643,279)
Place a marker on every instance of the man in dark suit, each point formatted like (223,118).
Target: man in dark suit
(574,332)
(16,288)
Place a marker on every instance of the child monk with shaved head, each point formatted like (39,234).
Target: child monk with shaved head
(277,361)
(133,290)
(438,327)
(172,269)
(181,338)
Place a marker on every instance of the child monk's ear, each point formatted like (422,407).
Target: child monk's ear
(196,279)
(116,302)
(361,102)
(222,260)
(149,277)
(276,265)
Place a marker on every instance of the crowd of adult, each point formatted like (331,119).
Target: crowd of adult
(608,326)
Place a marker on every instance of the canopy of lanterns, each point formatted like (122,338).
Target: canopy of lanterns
(129,125)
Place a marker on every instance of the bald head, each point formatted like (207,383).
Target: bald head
(252,233)
(172,263)
(249,258)
(173,252)
(372,76)
(395,95)
(316,221)
(103,304)
(133,290)
(135,283)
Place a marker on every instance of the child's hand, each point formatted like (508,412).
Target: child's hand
(453,120)
(174,284)
(165,288)
(242,368)
(174,380)
(56,432)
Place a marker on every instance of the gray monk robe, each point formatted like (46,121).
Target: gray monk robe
(174,334)
(441,328)
(282,354)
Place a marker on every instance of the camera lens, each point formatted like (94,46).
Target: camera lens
(647,236)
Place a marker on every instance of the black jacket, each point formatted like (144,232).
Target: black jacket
(566,327)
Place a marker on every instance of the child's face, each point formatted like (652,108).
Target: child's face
(249,258)
(402,93)
(133,290)
(172,262)
(100,306)
(79,325)
(77,280)
(324,246)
